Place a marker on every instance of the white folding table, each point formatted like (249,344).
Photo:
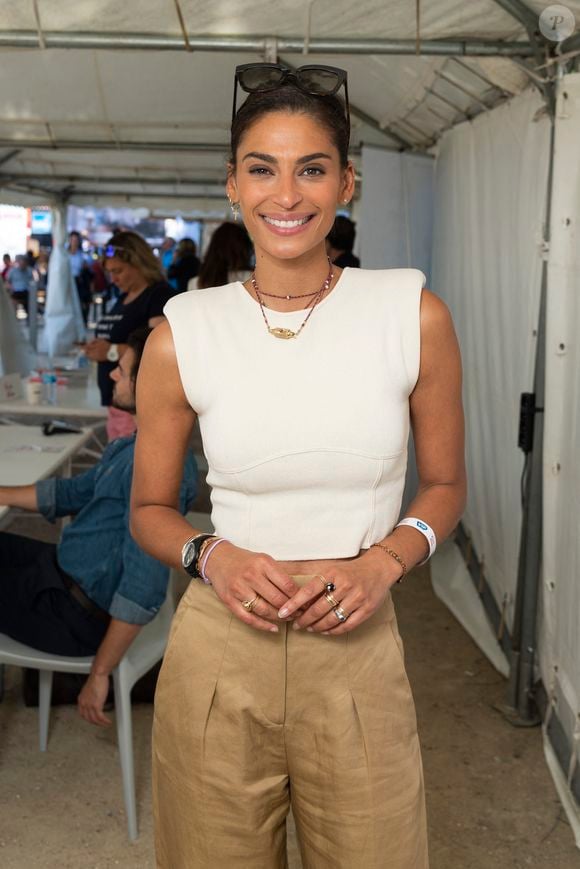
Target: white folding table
(27,456)
(80,400)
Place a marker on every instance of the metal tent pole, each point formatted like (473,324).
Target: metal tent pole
(259,44)
(521,682)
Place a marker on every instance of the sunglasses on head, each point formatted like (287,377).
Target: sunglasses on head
(315,79)
(112,250)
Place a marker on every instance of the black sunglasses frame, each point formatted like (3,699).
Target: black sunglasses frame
(292,75)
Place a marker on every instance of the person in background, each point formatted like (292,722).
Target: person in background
(185,264)
(81,272)
(136,272)
(340,242)
(20,279)
(6,266)
(42,268)
(93,591)
(228,258)
(166,255)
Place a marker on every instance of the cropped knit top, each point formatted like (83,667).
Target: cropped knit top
(305,439)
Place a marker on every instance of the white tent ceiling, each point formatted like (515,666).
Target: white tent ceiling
(103,102)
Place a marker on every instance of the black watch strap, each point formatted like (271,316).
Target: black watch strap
(195,543)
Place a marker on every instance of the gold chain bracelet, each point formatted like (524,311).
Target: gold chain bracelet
(394,555)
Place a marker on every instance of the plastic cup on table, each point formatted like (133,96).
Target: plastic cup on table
(34,390)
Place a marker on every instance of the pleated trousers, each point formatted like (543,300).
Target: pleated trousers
(248,724)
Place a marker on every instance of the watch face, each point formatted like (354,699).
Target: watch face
(189,555)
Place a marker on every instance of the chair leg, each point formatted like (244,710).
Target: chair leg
(125,739)
(44,697)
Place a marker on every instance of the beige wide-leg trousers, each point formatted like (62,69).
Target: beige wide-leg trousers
(248,723)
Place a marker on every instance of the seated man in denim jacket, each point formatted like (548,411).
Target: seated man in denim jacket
(93,591)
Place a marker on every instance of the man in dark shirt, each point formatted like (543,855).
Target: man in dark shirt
(93,591)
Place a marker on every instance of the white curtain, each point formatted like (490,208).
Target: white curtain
(396,210)
(560,628)
(395,218)
(63,320)
(490,191)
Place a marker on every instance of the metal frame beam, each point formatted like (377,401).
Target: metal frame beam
(166,180)
(66,194)
(99,145)
(260,44)
(521,13)
(571,44)
(5,158)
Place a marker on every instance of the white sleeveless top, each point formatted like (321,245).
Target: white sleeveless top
(306,439)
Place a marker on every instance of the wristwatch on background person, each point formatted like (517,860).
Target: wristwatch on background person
(113,353)
(191,552)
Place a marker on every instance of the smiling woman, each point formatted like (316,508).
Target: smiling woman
(284,680)
(137,274)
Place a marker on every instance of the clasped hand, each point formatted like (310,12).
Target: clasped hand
(260,593)
(96,350)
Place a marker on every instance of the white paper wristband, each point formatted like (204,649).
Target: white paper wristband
(425,530)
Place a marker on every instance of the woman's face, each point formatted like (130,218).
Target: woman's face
(124,275)
(288,181)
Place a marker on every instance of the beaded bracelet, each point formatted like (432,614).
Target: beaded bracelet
(394,555)
(206,555)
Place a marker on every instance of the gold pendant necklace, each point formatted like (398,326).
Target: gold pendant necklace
(280,331)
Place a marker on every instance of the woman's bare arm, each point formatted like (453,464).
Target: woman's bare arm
(164,424)
(438,433)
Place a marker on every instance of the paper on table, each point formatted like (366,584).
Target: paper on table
(32,448)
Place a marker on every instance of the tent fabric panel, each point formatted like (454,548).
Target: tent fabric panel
(560,651)
(120,87)
(490,189)
(395,214)
(45,84)
(371,18)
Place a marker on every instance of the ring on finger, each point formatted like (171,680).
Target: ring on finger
(250,604)
(331,600)
(329,586)
(340,614)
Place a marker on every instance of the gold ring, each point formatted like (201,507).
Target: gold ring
(331,600)
(321,578)
(250,604)
(340,614)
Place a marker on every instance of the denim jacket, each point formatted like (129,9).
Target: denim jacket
(97,549)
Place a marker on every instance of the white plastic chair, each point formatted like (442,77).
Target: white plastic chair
(145,651)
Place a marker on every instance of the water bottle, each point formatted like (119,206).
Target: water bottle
(49,380)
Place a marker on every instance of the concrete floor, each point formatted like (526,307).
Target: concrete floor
(491,802)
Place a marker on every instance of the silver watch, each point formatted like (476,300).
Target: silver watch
(190,554)
(113,353)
